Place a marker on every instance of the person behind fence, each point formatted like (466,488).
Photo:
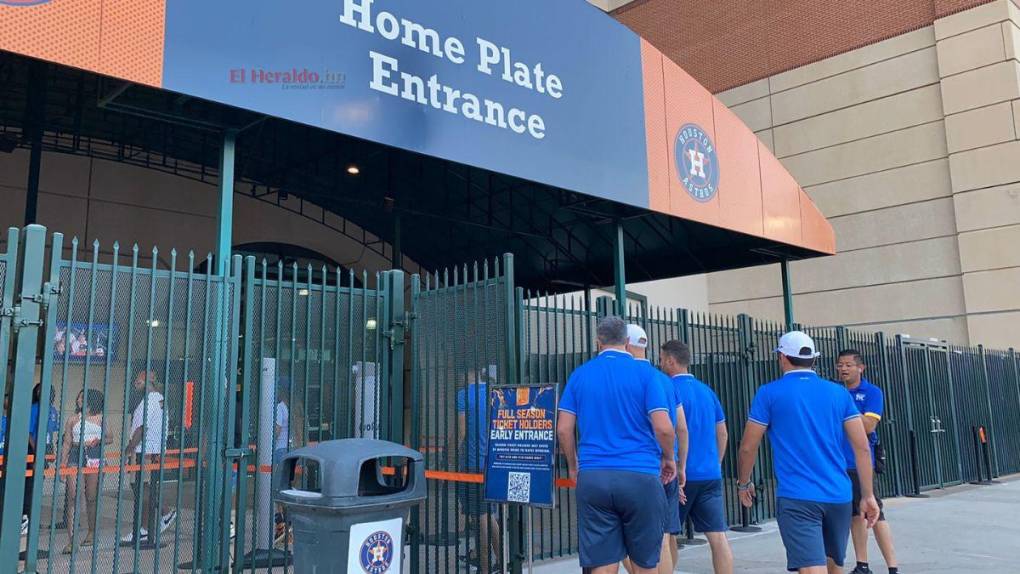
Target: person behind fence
(637,345)
(52,427)
(281,445)
(869,401)
(623,457)
(147,445)
(473,444)
(82,450)
(706,427)
(807,419)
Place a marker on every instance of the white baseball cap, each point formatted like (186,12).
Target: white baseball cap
(798,345)
(636,336)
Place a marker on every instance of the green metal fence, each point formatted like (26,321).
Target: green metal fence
(462,343)
(315,366)
(272,357)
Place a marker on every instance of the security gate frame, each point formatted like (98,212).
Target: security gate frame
(935,392)
(930,396)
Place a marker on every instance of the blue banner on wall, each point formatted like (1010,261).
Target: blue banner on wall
(547,91)
(520,466)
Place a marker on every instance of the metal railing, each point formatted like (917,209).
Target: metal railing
(348,355)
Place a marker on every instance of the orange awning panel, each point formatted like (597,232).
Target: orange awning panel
(719,173)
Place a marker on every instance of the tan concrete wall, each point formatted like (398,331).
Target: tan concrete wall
(979,67)
(94,199)
(910,147)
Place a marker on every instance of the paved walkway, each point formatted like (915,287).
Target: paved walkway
(961,530)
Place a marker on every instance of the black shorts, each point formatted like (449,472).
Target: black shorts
(855,480)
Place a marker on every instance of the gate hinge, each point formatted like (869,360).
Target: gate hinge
(6,311)
(17,321)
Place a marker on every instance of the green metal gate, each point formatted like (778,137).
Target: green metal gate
(105,320)
(932,410)
(1002,374)
(226,354)
(463,340)
(323,354)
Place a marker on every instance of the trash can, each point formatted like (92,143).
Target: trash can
(346,507)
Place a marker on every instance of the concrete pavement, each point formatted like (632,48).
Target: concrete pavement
(960,530)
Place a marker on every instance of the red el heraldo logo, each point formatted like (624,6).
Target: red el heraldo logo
(23,2)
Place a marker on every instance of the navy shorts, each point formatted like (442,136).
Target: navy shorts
(705,506)
(813,531)
(619,514)
(671,523)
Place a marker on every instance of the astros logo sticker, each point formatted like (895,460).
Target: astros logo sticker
(696,162)
(377,553)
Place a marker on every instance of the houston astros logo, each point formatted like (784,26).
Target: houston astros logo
(23,2)
(377,553)
(696,162)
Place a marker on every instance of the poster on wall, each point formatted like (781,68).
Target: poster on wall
(81,341)
(520,465)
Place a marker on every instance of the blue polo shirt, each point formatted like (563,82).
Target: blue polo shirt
(671,398)
(703,411)
(613,397)
(804,415)
(472,402)
(869,401)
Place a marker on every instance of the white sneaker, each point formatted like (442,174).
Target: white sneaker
(166,520)
(130,537)
(24,525)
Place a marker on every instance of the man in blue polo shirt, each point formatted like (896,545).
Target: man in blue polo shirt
(869,401)
(637,346)
(624,456)
(706,425)
(807,419)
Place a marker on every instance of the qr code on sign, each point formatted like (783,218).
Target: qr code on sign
(518,488)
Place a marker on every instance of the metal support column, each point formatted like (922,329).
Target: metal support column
(397,318)
(784,266)
(619,271)
(225,215)
(993,438)
(34,123)
(515,532)
(27,319)
(397,259)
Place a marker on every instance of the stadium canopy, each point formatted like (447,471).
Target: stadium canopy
(546,129)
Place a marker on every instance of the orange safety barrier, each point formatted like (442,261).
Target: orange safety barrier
(438,475)
(113,454)
(115,469)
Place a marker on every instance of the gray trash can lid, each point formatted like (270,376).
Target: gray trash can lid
(345,468)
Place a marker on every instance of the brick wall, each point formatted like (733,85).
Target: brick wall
(728,43)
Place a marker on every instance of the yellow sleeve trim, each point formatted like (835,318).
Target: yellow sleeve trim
(874,416)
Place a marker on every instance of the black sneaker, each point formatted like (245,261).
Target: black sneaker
(861,570)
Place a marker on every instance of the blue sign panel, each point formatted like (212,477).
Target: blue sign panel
(555,98)
(520,466)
